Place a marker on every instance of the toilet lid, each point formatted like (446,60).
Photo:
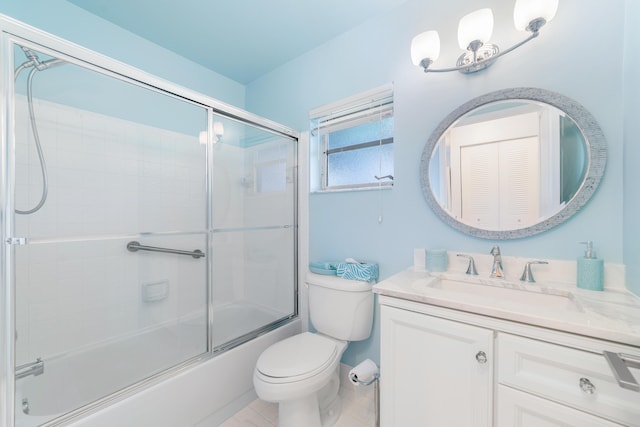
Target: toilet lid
(300,355)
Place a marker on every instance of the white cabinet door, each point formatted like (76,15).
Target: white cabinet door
(518,409)
(434,372)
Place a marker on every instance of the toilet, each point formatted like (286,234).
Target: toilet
(301,373)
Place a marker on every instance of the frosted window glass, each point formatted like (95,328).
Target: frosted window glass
(367,132)
(358,167)
(355,155)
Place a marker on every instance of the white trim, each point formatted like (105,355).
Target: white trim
(369,96)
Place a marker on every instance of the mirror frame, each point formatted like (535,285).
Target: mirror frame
(596,147)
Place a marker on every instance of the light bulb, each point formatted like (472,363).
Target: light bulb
(526,11)
(425,45)
(477,25)
(218,129)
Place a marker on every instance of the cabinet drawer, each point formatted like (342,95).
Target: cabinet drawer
(518,409)
(572,377)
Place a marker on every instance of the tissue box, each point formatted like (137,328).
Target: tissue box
(366,272)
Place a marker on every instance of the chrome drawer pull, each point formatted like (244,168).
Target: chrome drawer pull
(481,357)
(619,364)
(587,386)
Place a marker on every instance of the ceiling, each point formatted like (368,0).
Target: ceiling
(239,39)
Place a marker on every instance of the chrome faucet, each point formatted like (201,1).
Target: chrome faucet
(527,275)
(496,270)
(33,368)
(471,267)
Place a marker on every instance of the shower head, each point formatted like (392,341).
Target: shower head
(34,61)
(32,58)
(50,63)
(30,54)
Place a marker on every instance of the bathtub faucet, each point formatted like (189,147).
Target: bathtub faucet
(33,368)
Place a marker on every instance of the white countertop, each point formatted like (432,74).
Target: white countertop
(611,315)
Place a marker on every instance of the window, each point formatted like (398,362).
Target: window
(354,139)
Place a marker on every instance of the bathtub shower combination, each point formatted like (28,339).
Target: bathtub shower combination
(147,229)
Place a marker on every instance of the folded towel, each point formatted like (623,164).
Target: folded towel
(327,268)
(364,272)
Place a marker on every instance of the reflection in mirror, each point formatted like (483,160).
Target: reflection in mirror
(512,163)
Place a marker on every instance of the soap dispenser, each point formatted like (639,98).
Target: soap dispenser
(590,270)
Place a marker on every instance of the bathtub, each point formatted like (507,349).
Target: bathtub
(203,394)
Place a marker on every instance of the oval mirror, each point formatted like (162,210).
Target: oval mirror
(512,163)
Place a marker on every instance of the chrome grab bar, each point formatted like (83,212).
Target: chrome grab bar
(134,246)
(620,364)
(33,368)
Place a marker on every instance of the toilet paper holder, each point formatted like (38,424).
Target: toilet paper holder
(369,374)
(353,377)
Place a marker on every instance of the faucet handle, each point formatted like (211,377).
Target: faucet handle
(495,250)
(471,268)
(527,275)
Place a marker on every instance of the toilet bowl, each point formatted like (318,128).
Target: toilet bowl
(301,373)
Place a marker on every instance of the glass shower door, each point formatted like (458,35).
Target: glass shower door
(254,234)
(111,286)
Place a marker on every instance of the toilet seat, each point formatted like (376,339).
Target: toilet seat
(297,358)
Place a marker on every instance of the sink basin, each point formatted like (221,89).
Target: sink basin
(505,293)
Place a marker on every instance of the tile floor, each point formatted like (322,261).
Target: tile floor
(357,408)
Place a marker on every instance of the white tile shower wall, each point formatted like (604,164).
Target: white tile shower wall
(107,177)
(248,262)
(227,208)
(269,202)
(269,207)
(269,269)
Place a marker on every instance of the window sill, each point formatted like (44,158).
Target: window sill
(343,190)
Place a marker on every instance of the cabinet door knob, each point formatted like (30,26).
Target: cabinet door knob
(481,357)
(587,386)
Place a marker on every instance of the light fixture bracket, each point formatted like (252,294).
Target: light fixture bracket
(477,57)
(535,25)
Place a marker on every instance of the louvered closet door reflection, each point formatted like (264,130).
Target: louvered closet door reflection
(519,182)
(500,183)
(480,177)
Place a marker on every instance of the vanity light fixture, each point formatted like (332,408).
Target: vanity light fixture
(474,31)
(218,131)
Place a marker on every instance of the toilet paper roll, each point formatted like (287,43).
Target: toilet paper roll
(364,373)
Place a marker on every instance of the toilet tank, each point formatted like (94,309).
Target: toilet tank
(340,308)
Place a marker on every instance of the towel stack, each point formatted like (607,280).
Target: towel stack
(364,272)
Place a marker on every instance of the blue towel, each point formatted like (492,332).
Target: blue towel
(363,272)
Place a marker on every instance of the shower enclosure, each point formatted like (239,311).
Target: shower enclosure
(145,229)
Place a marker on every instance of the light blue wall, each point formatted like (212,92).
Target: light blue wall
(579,54)
(72,23)
(631,90)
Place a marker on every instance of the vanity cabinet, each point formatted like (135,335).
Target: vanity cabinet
(434,372)
(568,376)
(443,367)
(518,409)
